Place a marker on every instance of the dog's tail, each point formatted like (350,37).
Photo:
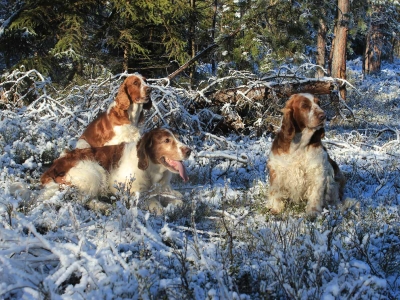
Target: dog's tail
(87,176)
(21,191)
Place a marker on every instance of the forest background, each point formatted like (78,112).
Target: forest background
(72,41)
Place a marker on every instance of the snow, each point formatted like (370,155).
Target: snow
(222,243)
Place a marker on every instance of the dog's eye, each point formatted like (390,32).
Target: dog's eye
(167,140)
(136,83)
(305,105)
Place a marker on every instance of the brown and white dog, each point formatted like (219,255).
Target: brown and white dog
(300,168)
(119,123)
(148,162)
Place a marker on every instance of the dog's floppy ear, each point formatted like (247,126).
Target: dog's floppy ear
(142,151)
(287,127)
(122,100)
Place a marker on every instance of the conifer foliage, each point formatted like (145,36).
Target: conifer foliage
(66,39)
(81,39)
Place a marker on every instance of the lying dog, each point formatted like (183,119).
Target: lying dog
(96,171)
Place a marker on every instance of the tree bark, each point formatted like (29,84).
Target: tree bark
(321,48)
(331,53)
(213,29)
(338,66)
(125,60)
(374,43)
(392,49)
(192,35)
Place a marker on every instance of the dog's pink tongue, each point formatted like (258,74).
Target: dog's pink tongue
(182,170)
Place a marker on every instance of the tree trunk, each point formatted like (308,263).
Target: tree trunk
(331,53)
(192,35)
(321,46)
(396,46)
(338,69)
(374,43)
(392,49)
(213,28)
(125,61)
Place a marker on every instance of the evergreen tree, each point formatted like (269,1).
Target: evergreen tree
(269,32)
(69,40)
(49,36)
(61,38)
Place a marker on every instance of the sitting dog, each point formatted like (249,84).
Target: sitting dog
(300,168)
(148,162)
(119,123)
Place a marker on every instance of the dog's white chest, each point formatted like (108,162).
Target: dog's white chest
(134,113)
(124,134)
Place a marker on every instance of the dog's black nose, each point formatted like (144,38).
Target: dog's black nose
(148,90)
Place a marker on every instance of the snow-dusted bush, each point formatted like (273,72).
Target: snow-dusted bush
(222,243)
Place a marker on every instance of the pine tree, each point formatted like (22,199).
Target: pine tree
(269,32)
(60,38)
(24,36)
(49,36)
(148,33)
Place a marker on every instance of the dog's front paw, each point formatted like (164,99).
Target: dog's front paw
(155,206)
(276,206)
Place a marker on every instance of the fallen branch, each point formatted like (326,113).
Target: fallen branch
(220,154)
(242,106)
(281,90)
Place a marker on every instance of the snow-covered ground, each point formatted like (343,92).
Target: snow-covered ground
(223,243)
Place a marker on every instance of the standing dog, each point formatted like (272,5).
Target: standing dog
(300,168)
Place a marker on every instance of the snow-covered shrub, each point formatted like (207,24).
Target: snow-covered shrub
(222,243)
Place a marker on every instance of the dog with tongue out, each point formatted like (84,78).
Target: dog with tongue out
(151,162)
(143,166)
(160,154)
